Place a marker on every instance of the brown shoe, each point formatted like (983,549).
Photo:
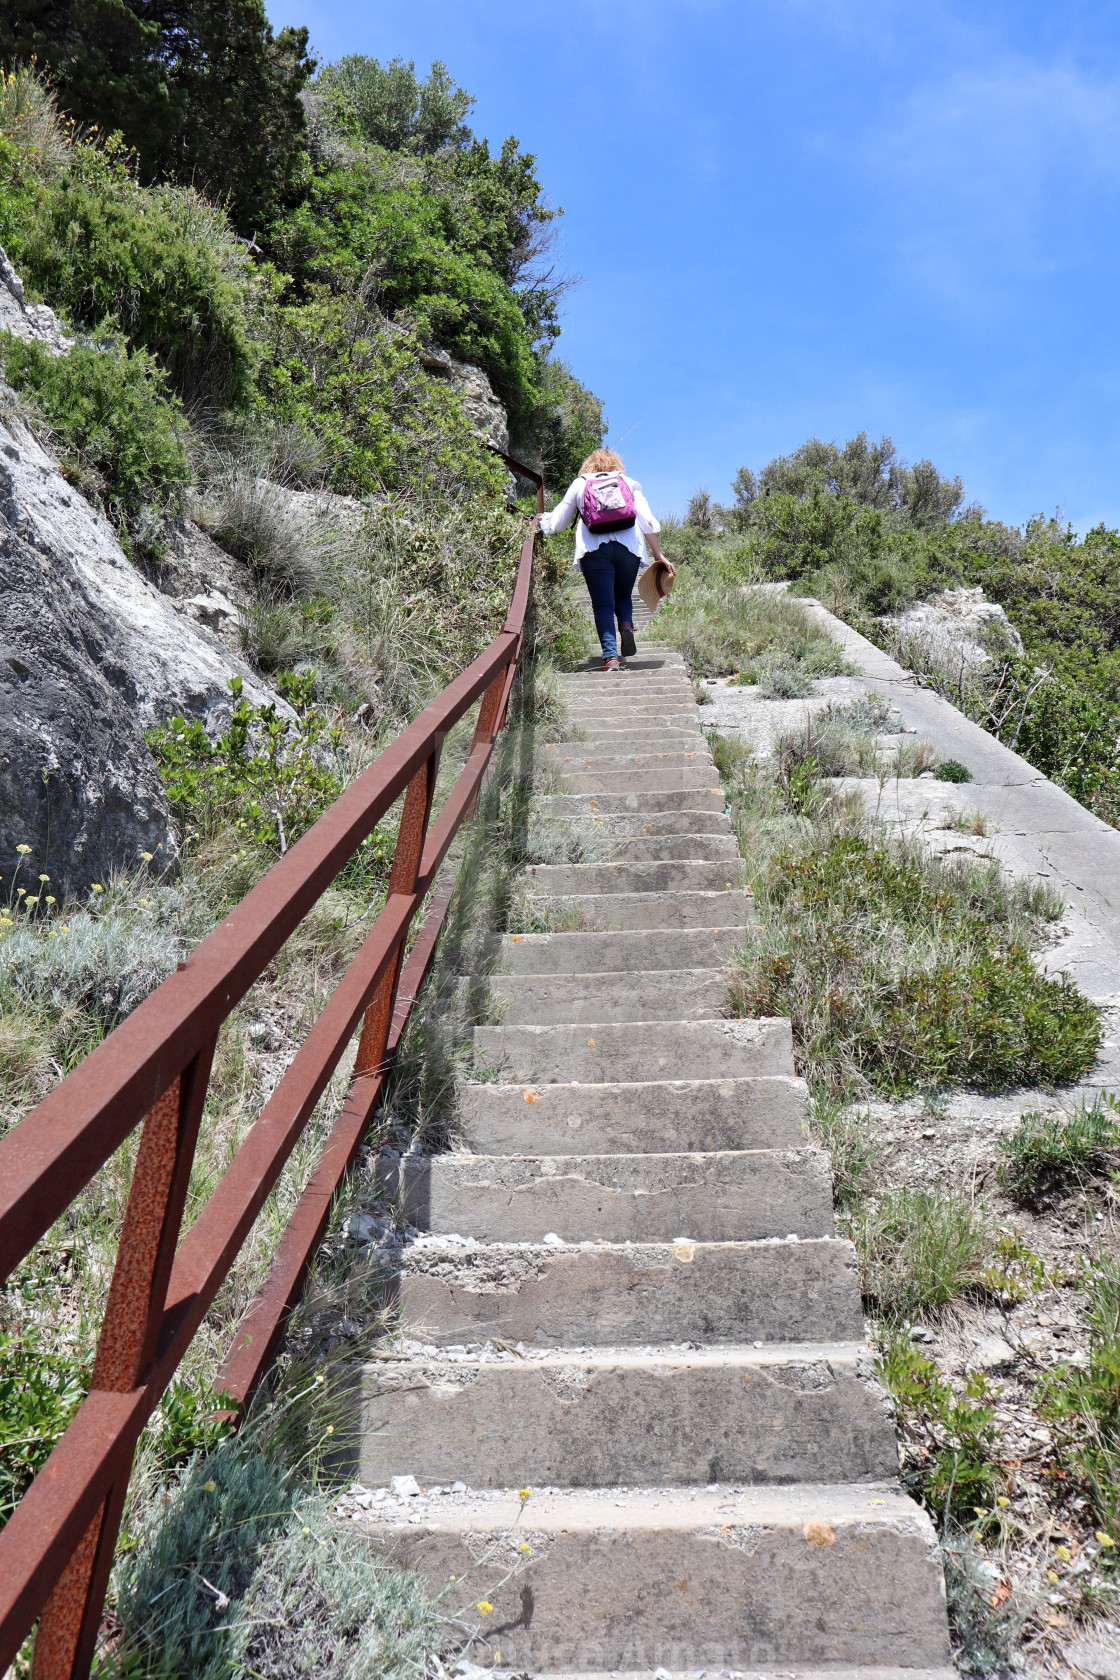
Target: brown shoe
(610,664)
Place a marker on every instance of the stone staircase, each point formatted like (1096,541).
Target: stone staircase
(630,1297)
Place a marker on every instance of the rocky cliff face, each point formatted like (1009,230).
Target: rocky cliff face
(91,655)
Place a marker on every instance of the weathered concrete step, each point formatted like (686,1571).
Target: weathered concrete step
(632,679)
(616,742)
(767,1112)
(684,848)
(650,910)
(617,1295)
(880,1672)
(577,879)
(668,994)
(779,1414)
(611,690)
(612,1053)
(651,824)
(639,802)
(709,1578)
(634,714)
(677,778)
(729,1196)
(634,951)
(590,757)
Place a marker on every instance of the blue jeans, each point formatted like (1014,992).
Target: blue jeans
(610,572)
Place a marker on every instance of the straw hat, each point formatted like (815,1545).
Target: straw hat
(654,583)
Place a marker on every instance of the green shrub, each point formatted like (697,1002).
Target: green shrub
(900,970)
(158,262)
(41,1388)
(1083,1403)
(266,776)
(724,626)
(1048,1150)
(114,424)
(958,1431)
(919,1251)
(242,1569)
(951,770)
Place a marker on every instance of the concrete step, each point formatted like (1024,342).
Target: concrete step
(616,1295)
(673,1417)
(634,714)
(724,1577)
(639,802)
(611,1052)
(669,994)
(649,910)
(578,879)
(763,1112)
(618,742)
(652,824)
(620,688)
(682,848)
(638,951)
(587,756)
(725,1196)
(678,778)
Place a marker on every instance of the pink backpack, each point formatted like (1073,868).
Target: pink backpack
(607,503)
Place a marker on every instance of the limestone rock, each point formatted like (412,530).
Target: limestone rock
(959,630)
(91,655)
(488,418)
(29,321)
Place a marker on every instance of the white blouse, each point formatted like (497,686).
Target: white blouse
(630,537)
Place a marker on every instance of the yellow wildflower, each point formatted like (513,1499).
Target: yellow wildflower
(484,1607)
(97,887)
(34,900)
(44,877)
(1062,1553)
(147,856)
(50,900)
(1105,1539)
(23,850)
(524,1493)
(1003,1501)
(1051,1575)
(209,1487)
(525,1547)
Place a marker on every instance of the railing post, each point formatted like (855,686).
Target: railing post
(402,879)
(67,1635)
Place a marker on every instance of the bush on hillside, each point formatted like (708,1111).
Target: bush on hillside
(115,426)
(160,262)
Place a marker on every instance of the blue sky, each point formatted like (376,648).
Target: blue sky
(817,216)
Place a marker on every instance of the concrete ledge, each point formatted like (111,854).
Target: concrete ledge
(609,1053)
(717,1196)
(607,1295)
(761,1113)
(781,1414)
(724,1577)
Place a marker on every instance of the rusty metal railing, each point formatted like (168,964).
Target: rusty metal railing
(56,1550)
